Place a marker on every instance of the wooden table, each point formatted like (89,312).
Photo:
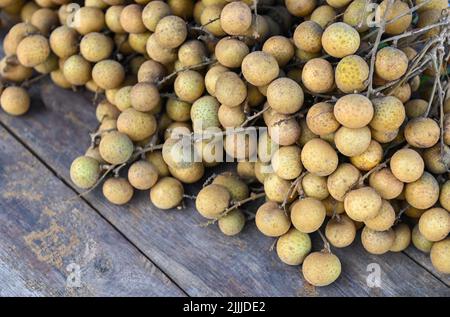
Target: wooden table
(55,244)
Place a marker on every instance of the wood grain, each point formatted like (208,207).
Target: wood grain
(201,260)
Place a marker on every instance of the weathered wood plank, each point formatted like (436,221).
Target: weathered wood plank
(202,261)
(45,236)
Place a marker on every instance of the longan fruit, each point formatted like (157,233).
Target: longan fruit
(293,247)
(323,15)
(190,174)
(342,180)
(444,197)
(308,215)
(142,175)
(171,32)
(403,92)
(122,98)
(266,147)
(389,113)
(15,101)
(131,19)
(108,125)
(340,39)
(151,71)
(362,204)
(351,74)
(356,15)
(138,41)
(106,110)
(230,89)
(422,193)
(153,12)
(422,132)
(271,220)
(158,53)
(286,162)
(189,85)
(112,18)
(377,242)
(199,6)
(177,128)
(307,37)
(192,53)
(108,74)
(369,158)
(236,18)
(167,193)
(390,63)
(94,153)
(88,3)
(210,17)
(182,8)
(384,220)
(178,110)
(304,56)
(44,19)
(434,224)
(315,186)
(435,161)
(212,201)
(338,3)
(284,130)
(231,117)
(396,9)
(156,159)
(384,136)
(246,171)
(279,47)
(285,96)
(431,5)
(319,157)
(386,184)
(84,172)
(27,11)
(320,119)
(259,68)
(64,41)
(231,52)
(415,108)
(204,113)
(95,47)
(33,50)
(407,165)
(419,241)
(340,231)
(59,79)
(263,89)
(15,35)
(115,147)
(144,97)
(300,8)
(12,70)
(117,191)
(211,77)
(277,188)
(440,256)
(318,75)
(49,65)
(352,142)
(236,187)
(89,19)
(321,268)
(402,238)
(233,223)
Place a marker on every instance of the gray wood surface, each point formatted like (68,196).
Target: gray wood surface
(201,260)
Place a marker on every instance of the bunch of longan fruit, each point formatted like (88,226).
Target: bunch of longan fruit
(354,99)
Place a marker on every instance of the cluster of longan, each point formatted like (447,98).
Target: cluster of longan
(357,124)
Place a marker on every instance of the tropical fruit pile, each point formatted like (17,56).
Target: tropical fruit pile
(336,112)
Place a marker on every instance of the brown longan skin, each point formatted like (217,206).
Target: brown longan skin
(95,47)
(353,111)
(440,256)
(118,191)
(211,18)
(419,241)
(340,231)
(293,247)
(286,162)
(230,89)
(321,268)
(84,172)
(407,165)
(318,75)
(178,110)
(276,188)
(362,204)
(12,70)
(64,41)
(369,158)
(171,32)
(390,63)
(351,74)
(321,120)
(402,238)
(116,147)
(153,12)
(167,193)
(211,78)
(190,174)
(89,19)
(271,220)
(237,188)
(396,9)
(444,197)
(142,175)
(307,37)
(356,15)
(340,40)
(385,218)
(15,101)
(137,125)
(131,19)
(144,97)
(15,35)
(434,224)
(386,184)
(422,193)
(285,96)
(260,68)
(308,215)
(415,108)
(281,48)
(112,18)
(151,71)
(157,160)
(192,53)
(300,8)
(377,242)
(422,132)
(158,53)
(231,117)
(319,157)
(233,223)
(212,201)
(315,186)
(437,162)
(44,20)
(342,180)
(106,110)
(236,18)
(33,50)
(389,113)
(108,74)
(323,15)
(189,85)
(352,142)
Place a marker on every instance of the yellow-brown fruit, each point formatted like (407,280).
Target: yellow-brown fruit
(422,132)
(369,158)
(377,242)
(304,56)
(211,78)
(444,197)
(403,92)
(171,32)
(415,108)
(15,35)
(351,74)
(246,171)
(144,97)
(279,47)
(434,224)
(59,79)
(142,175)
(323,15)
(318,75)
(12,70)
(115,147)
(237,188)
(423,193)
(231,52)
(277,188)
(340,39)
(112,18)
(167,193)
(321,268)
(231,117)
(211,18)
(182,8)
(27,11)
(362,204)
(308,215)
(435,161)
(402,238)
(192,53)
(286,162)
(300,8)
(307,37)
(118,191)
(384,220)
(407,165)
(356,15)
(204,113)
(64,41)
(390,63)
(49,65)
(212,201)
(84,172)
(157,160)
(419,241)
(189,85)
(271,220)
(108,74)
(233,223)
(33,50)
(131,19)
(178,110)
(314,186)
(151,71)
(344,178)
(153,12)
(260,68)
(285,96)
(440,256)
(389,113)
(352,142)
(160,54)
(106,110)
(430,5)
(319,157)
(230,89)
(384,136)
(293,247)
(236,18)
(333,206)
(284,130)
(108,125)
(138,41)
(340,231)
(386,184)
(122,98)
(190,174)
(15,101)
(320,119)
(427,18)
(45,20)
(95,47)
(395,10)
(88,19)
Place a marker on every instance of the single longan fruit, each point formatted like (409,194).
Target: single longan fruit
(320,119)
(138,41)
(435,161)
(212,201)
(182,8)
(167,193)
(384,136)
(286,162)
(390,63)
(422,193)
(356,15)
(230,89)
(318,75)
(415,108)
(115,147)
(112,19)
(271,220)
(178,110)
(362,204)
(419,241)
(89,19)
(352,142)
(340,231)
(236,18)
(210,17)
(285,96)
(385,218)
(59,79)
(237,188)
(233,223)
(403,92)
(211,78)
(351,74)
(281,48)
(106,110)
(44,20)
(402,238)
(342,180)
(323,15)
(246,171)
(64,41)
(15,35)
(95,47)
(444,197)
(153,12)
(300,8)
(118,191)
(338,3)
(369,158)
(434,224)
(396,9)
(377,242)
(189,85)
(304,56)
(33,50)
(231,117)
(160,54)
(142,175)
(12,70)
(319,158)
(307,37)
(85,172)
(171,31)
(422,132)
(293,247)
(308,215)
(156,159)
(190,174)
(192,53)
(108,74)
(204,113)
(440,256)
(277,188)
(144,97)
(260,68)
(386,184)
(389,113)
(431,5)
(321,268)
(151,71)
(284,131)
(131,19)
(407,165)
(340,39)
(231,52)
(15,101)
(315,186)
